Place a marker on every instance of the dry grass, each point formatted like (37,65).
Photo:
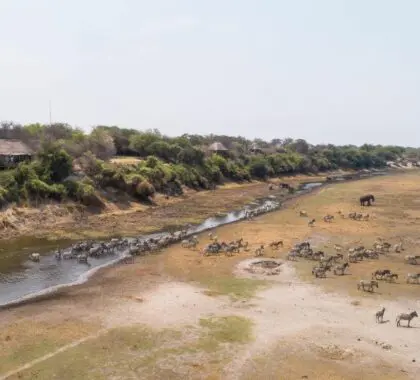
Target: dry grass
(391,218)
(26,340)
(292,360)
(139,352)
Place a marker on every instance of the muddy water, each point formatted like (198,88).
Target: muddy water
(20,278)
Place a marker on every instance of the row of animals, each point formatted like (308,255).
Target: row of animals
(134,247)
(83,250)
(330,218)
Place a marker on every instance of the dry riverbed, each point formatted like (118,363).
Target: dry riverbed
(179,315)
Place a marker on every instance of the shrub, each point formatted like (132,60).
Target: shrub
(145,189)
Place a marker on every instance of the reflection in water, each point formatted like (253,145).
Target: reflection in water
(20,277)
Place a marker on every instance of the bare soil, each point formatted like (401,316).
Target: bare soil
(211,318)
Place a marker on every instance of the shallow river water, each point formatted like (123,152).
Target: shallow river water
(20,278)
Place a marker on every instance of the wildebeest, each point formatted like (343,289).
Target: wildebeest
(406,317)
(366,200)
(311,223)
(380,273)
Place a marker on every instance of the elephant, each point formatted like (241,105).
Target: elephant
(366,200)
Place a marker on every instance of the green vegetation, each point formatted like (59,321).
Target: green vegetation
(70,164)
(236,288)
(222,330)
(142,352)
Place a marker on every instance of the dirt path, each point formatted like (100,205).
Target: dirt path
(50,355)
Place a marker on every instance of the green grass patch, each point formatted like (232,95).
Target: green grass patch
(140,352)
(236,288)
(219,330)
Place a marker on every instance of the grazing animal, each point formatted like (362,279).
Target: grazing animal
(380,315)
(35,257)
(366,200)
(380,273)
(328,218)
(259,251)
(391,277)
(319,272)
(338,247)
(340,269)
(367,286)
(413,278)
(303,213)
(405,317)
(398,248)
(292,256)
(311,223)
(410,259)
(276,244)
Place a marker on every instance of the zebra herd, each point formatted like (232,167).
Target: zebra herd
(335,264)
(83,251)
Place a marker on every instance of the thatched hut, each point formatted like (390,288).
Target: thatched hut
(12,152)
(217,147)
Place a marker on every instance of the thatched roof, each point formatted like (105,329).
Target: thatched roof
(217,147)
(14,148)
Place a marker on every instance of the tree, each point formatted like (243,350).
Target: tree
(55,163)
(101,144)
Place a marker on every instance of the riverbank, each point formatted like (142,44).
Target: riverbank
(180,315)
(129,218)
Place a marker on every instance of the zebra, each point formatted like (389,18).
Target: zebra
(405,317)
(35,257)
(363,284)
(410,259)
(319,272)
(340,269)
(291,256)
(391,277)
(413,278)
(328,218)
(259,251)
(398,248)
(380,315)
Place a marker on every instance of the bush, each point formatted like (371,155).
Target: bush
(43,190)
(144,190)
(260,169)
